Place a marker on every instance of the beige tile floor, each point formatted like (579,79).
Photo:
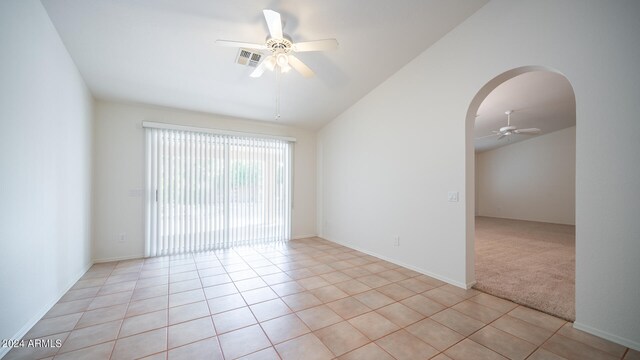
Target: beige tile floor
(305,299)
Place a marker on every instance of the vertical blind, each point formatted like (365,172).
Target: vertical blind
(208,191)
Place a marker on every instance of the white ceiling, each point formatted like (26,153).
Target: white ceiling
(539,99)
(162,51)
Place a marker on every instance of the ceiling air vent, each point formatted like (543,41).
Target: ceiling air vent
(248,58)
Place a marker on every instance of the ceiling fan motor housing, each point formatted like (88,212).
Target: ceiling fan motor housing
(279,45)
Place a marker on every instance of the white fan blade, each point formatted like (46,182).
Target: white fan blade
(527,131)
(300,66)
(266,63)
(270,62)
(317,45)
(237,44)
(501,136)
(258,70)
(274,22)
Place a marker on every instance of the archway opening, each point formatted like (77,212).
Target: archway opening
(521,190)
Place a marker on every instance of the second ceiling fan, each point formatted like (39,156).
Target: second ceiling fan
(280,48)
(511,130)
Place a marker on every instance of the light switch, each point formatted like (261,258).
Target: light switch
(453,196)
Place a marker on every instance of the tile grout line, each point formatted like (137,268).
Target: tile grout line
(215,330)
(83,313)
(545,341)
(124,316)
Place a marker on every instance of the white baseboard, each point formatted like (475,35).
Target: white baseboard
(140,256)
(118,258)
(414,268)
(298,237)
(470,285)
(608,336)
(25,329)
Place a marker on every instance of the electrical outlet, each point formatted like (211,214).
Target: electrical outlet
(396,241)
(122,237)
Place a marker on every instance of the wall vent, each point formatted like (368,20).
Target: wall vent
(247,57)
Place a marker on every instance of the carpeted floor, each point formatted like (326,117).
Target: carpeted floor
(530,263)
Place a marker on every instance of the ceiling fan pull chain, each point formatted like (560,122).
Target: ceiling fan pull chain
(278,77)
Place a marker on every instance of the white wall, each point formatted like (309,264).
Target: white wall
(45,160)
(390,159)
(476,208)
(119,172)
(531,180)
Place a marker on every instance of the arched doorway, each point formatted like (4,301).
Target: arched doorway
(522,245)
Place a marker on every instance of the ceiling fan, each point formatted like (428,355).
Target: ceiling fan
(280,48)
(510,129)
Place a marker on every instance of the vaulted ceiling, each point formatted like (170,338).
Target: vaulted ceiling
(163,52)
(539,99)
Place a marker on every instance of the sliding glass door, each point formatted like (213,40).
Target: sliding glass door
(208,191)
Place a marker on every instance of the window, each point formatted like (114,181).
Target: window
(213,190)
